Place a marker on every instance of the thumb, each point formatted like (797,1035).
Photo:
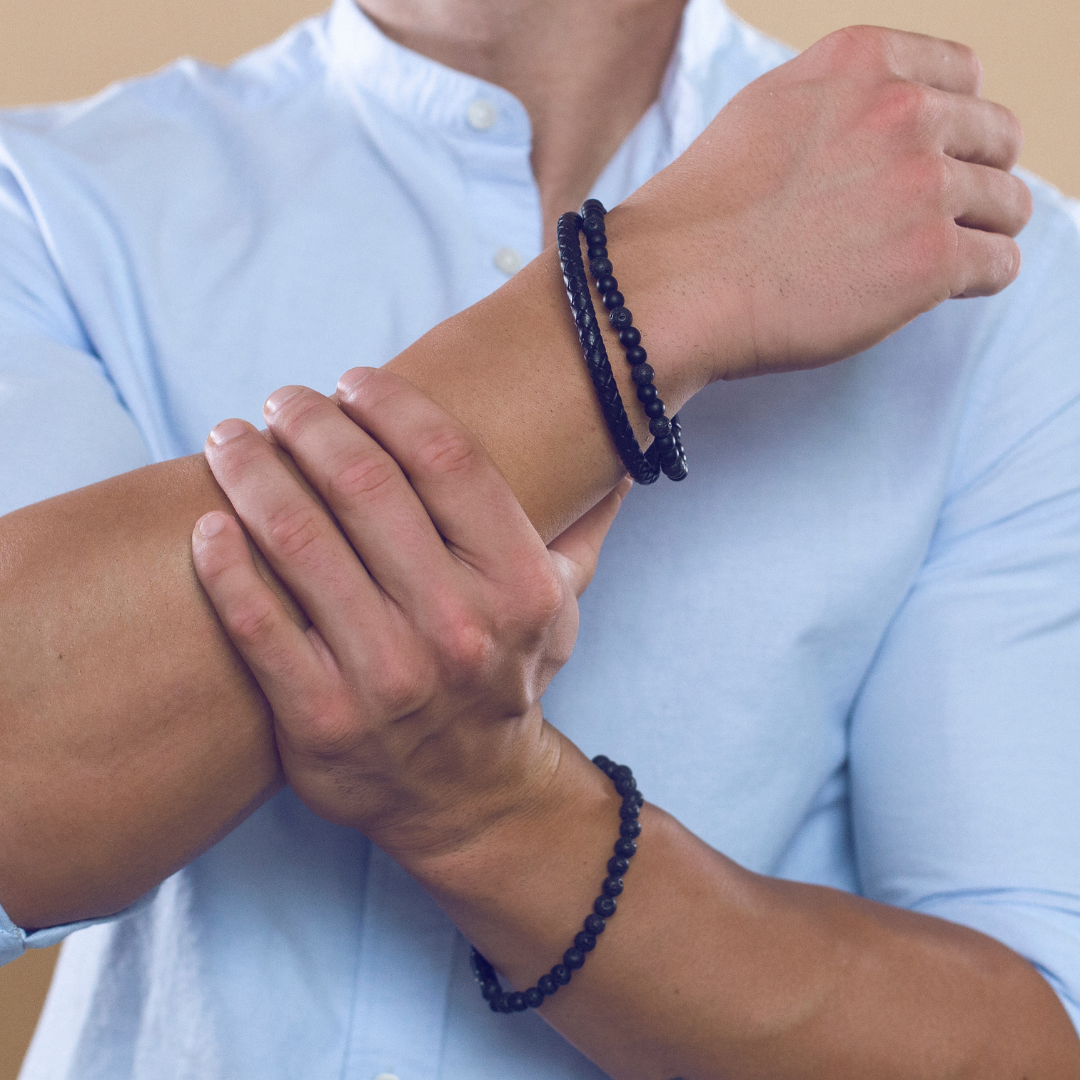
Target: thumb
(577,549)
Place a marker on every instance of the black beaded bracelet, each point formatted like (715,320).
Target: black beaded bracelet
(604,907)
(667,434)
(643,468)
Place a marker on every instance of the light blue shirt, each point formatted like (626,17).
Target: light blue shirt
(846,650)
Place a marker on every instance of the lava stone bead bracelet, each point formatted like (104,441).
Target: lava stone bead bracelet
(603,908)
(644,469)
(667,433)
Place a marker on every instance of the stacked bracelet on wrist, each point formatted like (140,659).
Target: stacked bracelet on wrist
(666,452)
(667,434)
(603,908)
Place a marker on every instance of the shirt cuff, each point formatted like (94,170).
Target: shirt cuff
(14,941)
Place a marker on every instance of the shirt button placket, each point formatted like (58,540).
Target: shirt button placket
(481,115)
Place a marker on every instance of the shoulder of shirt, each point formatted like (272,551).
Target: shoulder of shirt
(186,93)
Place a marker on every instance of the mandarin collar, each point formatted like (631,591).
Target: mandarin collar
(436,96)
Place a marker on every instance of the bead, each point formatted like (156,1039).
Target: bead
(613,299)
(646,393)
(592,206)
(620,318)
(593,226)
(597,251)
(680,473)
(635,354)
(606,284)
(665,442)
(613,886)
(605,906)
(594,924)
(600,268)
(642,374)
(573,958)
(629,337)
(653,409)
(661,425)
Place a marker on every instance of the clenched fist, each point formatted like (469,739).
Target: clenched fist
(829,203)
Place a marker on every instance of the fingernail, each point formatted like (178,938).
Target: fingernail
(226,430)
(352,379)
(210,524)
(279,397)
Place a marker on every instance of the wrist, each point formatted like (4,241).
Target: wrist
(571,810)
(694,337)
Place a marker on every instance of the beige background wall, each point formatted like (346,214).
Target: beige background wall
(53,49)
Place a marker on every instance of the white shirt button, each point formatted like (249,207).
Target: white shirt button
(482,114)
(508,261)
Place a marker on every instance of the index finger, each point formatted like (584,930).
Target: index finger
(945,65)
(466,496)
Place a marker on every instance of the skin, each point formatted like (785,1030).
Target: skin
(811,272)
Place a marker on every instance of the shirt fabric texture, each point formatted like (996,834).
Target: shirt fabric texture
(851,658)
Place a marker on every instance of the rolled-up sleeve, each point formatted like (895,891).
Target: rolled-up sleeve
(965,741)
(62,423)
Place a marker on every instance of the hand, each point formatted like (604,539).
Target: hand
(409,709)
(829,203)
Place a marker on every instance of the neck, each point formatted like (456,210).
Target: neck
(584,82)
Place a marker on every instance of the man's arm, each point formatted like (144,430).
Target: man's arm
(388,720)
(831,202)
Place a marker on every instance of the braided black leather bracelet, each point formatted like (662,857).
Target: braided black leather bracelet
(643,468)
(667,433)
(604,907)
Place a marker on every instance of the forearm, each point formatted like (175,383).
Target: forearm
(134,736)
(708,971)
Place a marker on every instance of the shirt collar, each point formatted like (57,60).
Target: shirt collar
(435,95)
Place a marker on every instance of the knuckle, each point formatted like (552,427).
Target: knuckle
(1006,266)
(967,59)
(295,412)
(903,109)
(933,257)
(252,621)
(363,476)
(543,599)
(328,728)
(447,451)
(465,643)
(1023,202)
(857,44)
(398,683)
(294,530)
